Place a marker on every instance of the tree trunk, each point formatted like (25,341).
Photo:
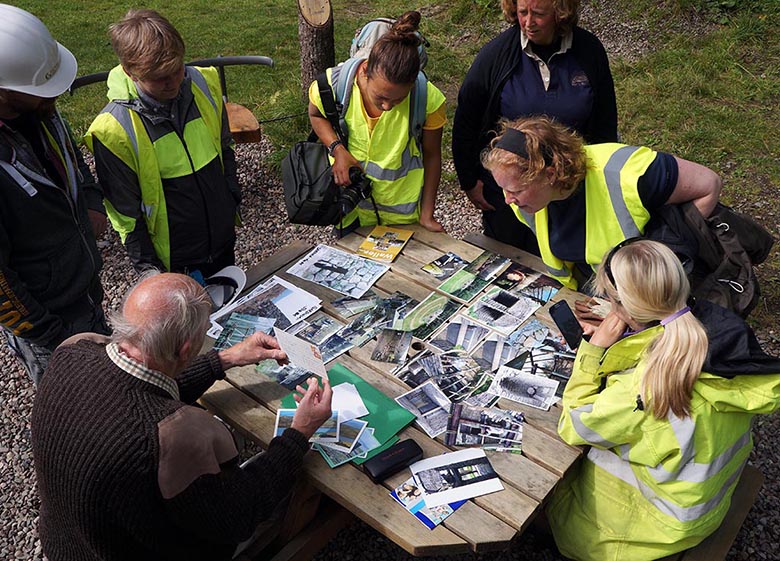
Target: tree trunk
(315,34)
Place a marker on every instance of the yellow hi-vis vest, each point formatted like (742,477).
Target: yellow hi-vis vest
(650,487)
(613,208)
(390,157)
(121,130)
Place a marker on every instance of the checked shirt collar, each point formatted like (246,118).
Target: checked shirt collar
(142,372)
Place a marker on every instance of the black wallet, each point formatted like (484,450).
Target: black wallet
(391,461)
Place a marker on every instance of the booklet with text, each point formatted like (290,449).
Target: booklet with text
(384,243)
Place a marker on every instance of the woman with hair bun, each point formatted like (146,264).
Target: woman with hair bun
(404,175)
(664,393)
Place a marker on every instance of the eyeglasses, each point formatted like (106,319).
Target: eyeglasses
(608,262)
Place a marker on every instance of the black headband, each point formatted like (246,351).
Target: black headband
(513,141)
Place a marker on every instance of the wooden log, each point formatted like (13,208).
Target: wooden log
(315,35)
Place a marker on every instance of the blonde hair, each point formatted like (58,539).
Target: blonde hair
(147,44)
(650,283)
(562,147)
(567,13)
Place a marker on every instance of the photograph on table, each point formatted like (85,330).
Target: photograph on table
(495,351)
(541,289)
(459,333)
(275,299)
(525,388)
(328,432)
(320,327)
(409,495)
(335,458)
(501,310)
(463,286)
(333,347)
(547,363)
(429,405)
(515,276)
(346,273)
(445,266)
(428,315)
(488,265)
(392,346)
(454,372)
(240,326)
(455,476)
(485,427)
(346,306)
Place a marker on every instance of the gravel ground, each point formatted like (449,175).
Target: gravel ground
(759,537)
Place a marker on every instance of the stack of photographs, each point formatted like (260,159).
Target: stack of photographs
(454,372)
(431,407)
(482,427)
(274,299)
(346,273)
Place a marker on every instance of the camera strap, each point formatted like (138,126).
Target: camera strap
(329,106)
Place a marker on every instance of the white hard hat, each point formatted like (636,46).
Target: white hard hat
(31,61)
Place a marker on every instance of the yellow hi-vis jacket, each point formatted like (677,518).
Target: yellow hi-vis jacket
(649,487)
(122,131)
(390,157)
(613,209)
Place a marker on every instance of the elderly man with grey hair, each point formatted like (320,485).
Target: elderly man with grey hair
(126,467)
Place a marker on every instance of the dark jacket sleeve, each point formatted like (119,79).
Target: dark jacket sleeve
(226,507)
(198,377)
(22,314)
(121,189)
(478,104)
(229,159)
(590,54)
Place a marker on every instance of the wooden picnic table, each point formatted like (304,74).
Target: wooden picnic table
(248,401)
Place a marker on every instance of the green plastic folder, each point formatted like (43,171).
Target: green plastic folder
(385,416)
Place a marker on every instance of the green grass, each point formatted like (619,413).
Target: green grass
(713,99)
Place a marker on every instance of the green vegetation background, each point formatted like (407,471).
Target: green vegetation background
(713,98)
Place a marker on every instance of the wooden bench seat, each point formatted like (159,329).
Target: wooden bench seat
(717,545)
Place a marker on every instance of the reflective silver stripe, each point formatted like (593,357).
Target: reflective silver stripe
(408,163)
(621,469)
(16,176)
(690,470)
(122,115)
(612,177)
(557,272)
(147,209)
(529,219)
(405,208)
(199,80)
(586,433)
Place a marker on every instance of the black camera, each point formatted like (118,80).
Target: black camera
(359,188)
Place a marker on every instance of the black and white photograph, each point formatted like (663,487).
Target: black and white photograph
(502,310)
(346,273)
(523,387)
(459,333)
(490,428)
(456,373)
(392,345)
(429,405)
(495,351)
(455,476)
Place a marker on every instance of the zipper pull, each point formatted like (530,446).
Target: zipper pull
(639,405)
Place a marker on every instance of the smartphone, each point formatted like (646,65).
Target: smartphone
(568,325)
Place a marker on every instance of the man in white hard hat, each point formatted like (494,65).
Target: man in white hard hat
(50,205)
